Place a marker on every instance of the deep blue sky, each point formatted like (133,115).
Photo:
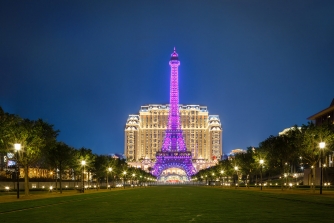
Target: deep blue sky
(84,66)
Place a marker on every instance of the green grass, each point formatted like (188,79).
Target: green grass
(173,204)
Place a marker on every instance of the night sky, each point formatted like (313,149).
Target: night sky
(84,66)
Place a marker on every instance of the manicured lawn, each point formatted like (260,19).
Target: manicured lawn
(174,204)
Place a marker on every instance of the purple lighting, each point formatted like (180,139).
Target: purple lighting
(174,153)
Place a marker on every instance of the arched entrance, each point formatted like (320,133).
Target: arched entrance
(173,175)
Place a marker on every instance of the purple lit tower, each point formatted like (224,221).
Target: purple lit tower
(174,153)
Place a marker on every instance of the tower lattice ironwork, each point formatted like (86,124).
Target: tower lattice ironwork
(174,152)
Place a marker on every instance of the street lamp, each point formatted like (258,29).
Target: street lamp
(222,172)
(261,163)
(124,174)
(286,179)
(17,147)
(108,171)
(133,176)
(236,170)
(322,146)
(83,163)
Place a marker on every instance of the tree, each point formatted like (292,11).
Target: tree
(246,162)
(60,157)
(86,155)
(7,130)
(35,137)
(309,138)
(281,152)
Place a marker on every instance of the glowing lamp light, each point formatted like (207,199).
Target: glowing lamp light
(322,145)
(83,162)
(17,146)
(261,162)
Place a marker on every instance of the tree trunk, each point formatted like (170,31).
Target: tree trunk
(56,180)
(313,179)
(282,180)
(88,179)
(26,180)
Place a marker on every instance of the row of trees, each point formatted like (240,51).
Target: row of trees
(296,149)
(40,148)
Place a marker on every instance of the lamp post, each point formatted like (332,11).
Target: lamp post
(83,163)
(17,147)
(236,170)
(133,176)
(261,163)
(295,176)
(286,179)
(124,174)
(108,171)
(222,172)
(322,146)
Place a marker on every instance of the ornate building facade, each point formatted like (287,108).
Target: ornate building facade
(144,133)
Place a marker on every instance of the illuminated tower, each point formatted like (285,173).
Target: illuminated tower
(174,153)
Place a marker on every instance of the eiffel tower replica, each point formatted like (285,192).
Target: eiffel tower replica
(174,152)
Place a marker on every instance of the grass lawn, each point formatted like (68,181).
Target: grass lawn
(174,204)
